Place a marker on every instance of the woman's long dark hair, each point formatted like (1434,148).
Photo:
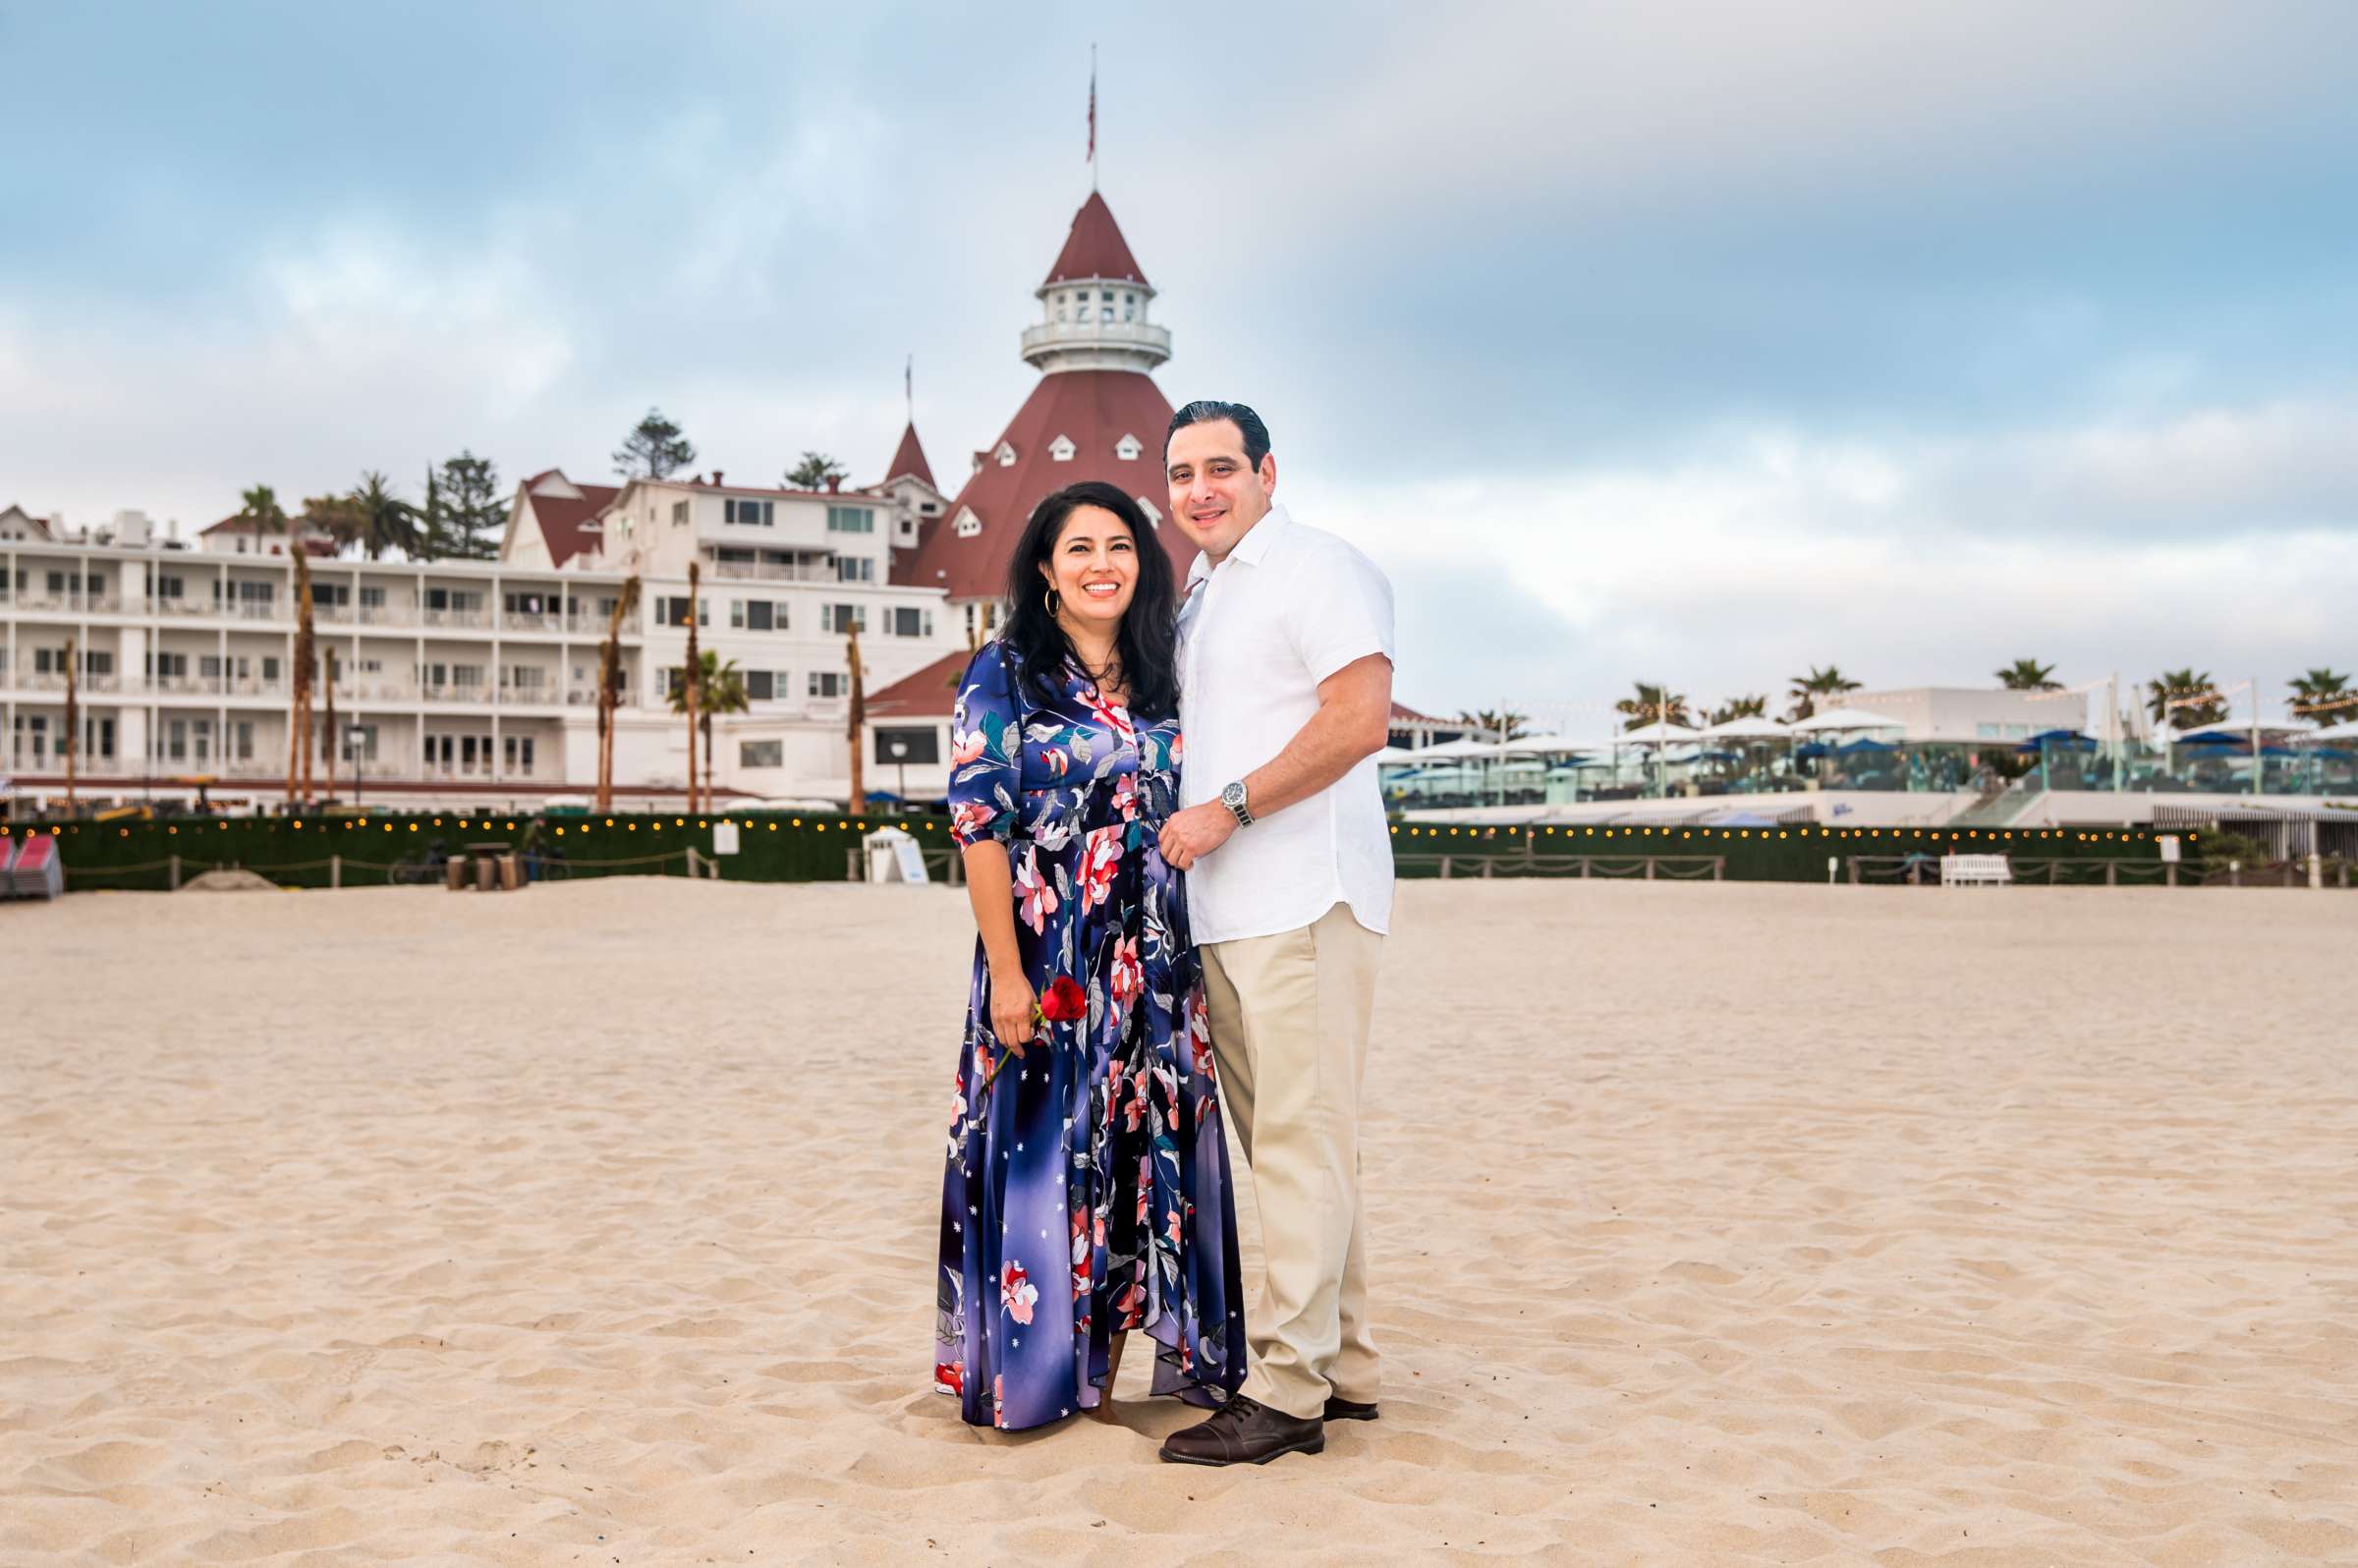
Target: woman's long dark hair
(1147,642)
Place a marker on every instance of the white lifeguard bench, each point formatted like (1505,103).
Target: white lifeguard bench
(1976,871)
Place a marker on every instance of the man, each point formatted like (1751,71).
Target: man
(1285,692)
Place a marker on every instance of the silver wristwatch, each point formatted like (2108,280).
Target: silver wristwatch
(1233,796)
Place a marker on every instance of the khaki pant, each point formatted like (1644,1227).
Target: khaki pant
(1289,1026)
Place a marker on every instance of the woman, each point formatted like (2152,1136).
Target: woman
(1087,1192)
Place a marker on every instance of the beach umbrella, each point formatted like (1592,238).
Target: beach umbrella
(1847,718)
(1812,749)
(1456,750)
(1391,755)
(1864,743)
(2347,730)
(2213,737)
(2241,729)
(1748,729)
(1542,746)
(1661,731)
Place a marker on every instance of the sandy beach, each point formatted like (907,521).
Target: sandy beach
(1712,1224)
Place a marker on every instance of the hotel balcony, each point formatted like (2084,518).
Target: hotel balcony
(772,572)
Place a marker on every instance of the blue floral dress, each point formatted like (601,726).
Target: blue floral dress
(1086,1190)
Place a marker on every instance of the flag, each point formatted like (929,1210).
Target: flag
(1093,103)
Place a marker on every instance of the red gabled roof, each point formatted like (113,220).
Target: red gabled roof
(1095,248)
(1094,410)
(564,521)
(1401,710)
(932,693)
(909,459)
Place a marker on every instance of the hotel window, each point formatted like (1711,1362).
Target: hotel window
(921,745)
(761,754)
(855,569)
(842,617)
(1129,307)
(759,685)
(758,615)
(241,739)
(1105,310)
(269,666)
(679,514)
(1128,448)
(171,666)
(672,610)
(851,519)
(752,514)
(372,599)
(519,749)
(826,683)
(911,622)
(1061,314)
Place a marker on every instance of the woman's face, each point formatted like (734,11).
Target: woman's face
(1092,566)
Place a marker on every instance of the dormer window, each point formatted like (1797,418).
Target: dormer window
(1153,516)
(1128,448)
(1062,449)
(968,525)
(1006,454)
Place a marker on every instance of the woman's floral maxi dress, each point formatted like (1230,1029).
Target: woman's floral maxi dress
(1087,1189)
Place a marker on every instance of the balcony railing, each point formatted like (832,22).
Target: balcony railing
(770,572)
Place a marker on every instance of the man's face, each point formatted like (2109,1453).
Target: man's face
(1216,494)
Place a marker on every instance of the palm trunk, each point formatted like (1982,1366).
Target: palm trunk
(695,677)
(73,720)
(609,690)
(299,784)
(856,714)
(711,804)
(329,730)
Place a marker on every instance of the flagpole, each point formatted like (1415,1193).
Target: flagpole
(1093,119)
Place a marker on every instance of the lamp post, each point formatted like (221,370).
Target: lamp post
(900,761)
(356,736)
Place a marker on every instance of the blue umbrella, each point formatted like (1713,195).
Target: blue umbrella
(1865,743)
(1812,749)
(2215,738)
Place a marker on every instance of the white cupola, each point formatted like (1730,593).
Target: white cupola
(1096,305)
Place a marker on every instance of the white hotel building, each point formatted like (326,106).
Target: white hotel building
(473,683)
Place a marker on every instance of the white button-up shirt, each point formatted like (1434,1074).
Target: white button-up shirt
(1290,605)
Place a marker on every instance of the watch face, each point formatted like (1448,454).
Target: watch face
(1234,795)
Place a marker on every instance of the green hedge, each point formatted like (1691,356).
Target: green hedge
(1763,853)
(295,852)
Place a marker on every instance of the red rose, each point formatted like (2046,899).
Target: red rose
(1065,1003)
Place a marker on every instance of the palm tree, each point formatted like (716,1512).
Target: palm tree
(2029,675)
(609,688)
(2182,700)
(73,736)
(1736,708)
(855,719)
(299,715)
(722,684)
(691,675)
(1497,726)
(2323,696)
(371,516)
(1651,703)
(1807,688)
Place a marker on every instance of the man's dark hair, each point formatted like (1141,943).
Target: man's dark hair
(1206,410)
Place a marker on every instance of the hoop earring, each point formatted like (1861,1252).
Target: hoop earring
(1052,601)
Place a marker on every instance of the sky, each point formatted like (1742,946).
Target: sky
(1701,344)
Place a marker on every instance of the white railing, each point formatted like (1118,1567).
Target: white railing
(462,620)
(770,572)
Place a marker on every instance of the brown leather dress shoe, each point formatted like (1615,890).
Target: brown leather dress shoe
(1244,1432)
(1341,1409)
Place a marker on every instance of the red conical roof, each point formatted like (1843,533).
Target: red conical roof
(1095,248)
(909,459)
(1094,410)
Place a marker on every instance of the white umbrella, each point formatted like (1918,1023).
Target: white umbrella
(2243,726)
(1656,734)
(1749,729)
(1450,751)
(1392,754)
(2346,730)
(1847,718)
(1543,746)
